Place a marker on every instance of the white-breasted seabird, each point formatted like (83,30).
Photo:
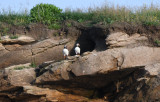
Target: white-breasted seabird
(77,49)
(65,52)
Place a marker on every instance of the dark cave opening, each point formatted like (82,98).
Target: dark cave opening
(86,44)
(91,39)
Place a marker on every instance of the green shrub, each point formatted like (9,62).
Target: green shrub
(69,24)
(4,31)
(157,42)
(45,13)
(80,20)
(13,37)
(55,26)
(33,64)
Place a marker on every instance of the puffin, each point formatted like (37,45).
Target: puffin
(65,52)
(77,49)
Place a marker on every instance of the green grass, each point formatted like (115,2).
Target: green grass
(108,14)
(13,18)
(4,30)
(157,42)
(55,26)
(21,67)
(69,24)
(13,37)
(33,64)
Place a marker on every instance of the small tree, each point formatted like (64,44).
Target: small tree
(45,13)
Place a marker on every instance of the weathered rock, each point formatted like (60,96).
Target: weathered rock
(153,69)
(56,71)
(37,53)
(115,59)
(102,62)
(20,75)
(20,40)
(120,39)
(36,94)
(144,89)
(44,45)
(15,76)
(15,57)
(3,50)
(2,47)
(12,47)
(53,95)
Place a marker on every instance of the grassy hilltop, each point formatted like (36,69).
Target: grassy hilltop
(53,16)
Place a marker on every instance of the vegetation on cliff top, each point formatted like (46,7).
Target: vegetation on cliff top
(53,16)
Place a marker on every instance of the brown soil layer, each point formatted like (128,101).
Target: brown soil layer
(41,32)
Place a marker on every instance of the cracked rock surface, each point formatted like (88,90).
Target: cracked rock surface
(38,52)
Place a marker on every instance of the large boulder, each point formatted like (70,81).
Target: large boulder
(56,71)
(115,59)
(37,53)
(120,39)
(112,59)
(19,75)
(101,62)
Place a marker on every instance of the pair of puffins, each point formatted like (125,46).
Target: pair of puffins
(66,52)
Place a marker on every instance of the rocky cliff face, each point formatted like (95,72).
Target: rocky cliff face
(114,66)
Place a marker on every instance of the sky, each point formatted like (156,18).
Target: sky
(21,5)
